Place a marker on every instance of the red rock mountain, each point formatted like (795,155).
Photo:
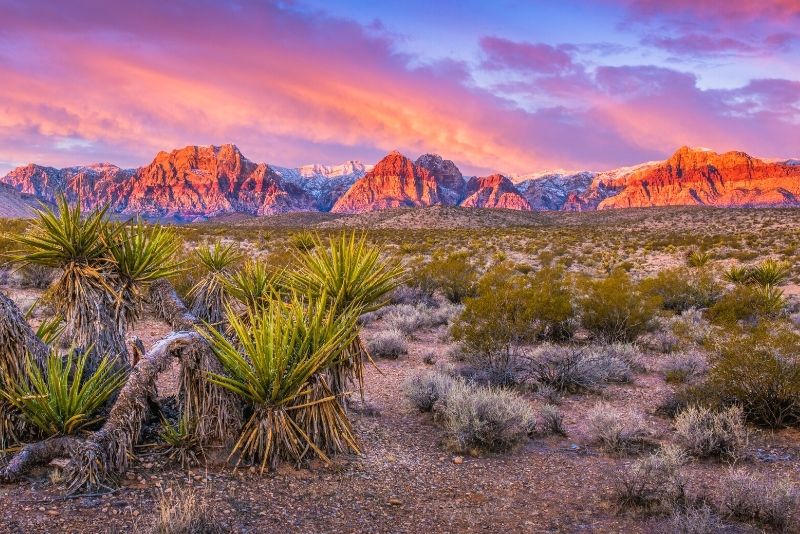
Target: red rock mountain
(699,177)
(495,191)
(395,182)
(187,183)
(197,182)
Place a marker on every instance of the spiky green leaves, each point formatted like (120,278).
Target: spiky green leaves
(348,271)
(60,400)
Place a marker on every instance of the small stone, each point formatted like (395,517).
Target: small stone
(394,501)
(135,513)
(458,460)
(53,513)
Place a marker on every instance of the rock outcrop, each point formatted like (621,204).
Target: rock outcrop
(703,177)
(452,186)
(395,182)
(495,191)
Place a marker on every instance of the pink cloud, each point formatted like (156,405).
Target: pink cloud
(531,57)
(118,82)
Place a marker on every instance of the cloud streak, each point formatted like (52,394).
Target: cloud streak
(111,81)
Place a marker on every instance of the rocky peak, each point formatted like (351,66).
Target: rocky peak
(394,182)
(495,191)
(447,175)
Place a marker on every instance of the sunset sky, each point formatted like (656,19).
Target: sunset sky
(510,86)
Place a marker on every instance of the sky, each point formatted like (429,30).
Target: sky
(496,86)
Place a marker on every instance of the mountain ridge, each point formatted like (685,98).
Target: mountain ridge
(197,182)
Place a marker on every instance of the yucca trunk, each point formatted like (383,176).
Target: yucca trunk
(322,417)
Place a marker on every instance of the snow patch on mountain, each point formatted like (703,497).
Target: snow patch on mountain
(326,183)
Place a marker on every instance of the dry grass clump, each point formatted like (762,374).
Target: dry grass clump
(684,367)
(654,482)
(617,432)
(551,420)
(409,318)
(769,502)
(705,433)
(570,369)
(389,344)
(427,388)
(474,418)
(693,520)
(484,419)
(182,511)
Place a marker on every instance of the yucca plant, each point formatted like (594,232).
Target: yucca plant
(304,241)
(771,300)
(208,294)
(141,255)
(253,285)
(50,330)
(180,442)
(350,275)
(279,350)
(698,258)
(769,273)
(62,399)
(737,274)
(76,243)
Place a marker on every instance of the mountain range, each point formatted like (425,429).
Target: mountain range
(197,182)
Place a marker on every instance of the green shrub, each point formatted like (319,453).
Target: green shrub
(682,289)
(511,308)
(747,303)
(760,371)
(453,275)
(615,309)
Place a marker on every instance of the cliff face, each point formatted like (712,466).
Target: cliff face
(186,183)
(395,182)
(452,187)
(703,177)
(197,182)
(495,191)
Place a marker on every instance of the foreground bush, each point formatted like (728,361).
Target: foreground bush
(511,309)
(485,419)
(654,482)
(683,367)
(570,369)
(683,289)
(759,370)
(427,388)
(615,309)
(617,432)
(387,344)
(706,433)
(747,303)
(183,511)
(453,275)
(750,497)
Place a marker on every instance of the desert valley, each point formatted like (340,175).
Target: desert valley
(340,266)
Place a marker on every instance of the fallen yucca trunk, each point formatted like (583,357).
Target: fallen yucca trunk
(278,352)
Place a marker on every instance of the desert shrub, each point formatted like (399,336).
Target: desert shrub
(693,520)
(485,419)
(551,420)
(737,274)
(180,442)
(682,289)
(570,369)
(406,294)
(751,497)
(706,433)
(747,303)
(425,389)
(453,275)
(614,309)
(698,258)
(628,353)
(182,511)
(617,432)
(683,367)
(410,318)
(759,370)
(387,344)
(36,276)
(511,308)
(654,482)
